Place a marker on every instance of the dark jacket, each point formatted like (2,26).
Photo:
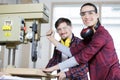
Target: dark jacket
(101,56)
(78,72)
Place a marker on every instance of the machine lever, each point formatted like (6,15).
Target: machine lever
(34,43)
(46,35)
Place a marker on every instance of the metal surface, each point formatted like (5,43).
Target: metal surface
(12,30)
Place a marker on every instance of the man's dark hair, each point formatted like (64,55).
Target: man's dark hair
(61,20)
(89,4)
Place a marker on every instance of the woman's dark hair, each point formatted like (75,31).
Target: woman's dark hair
(61,20)
(88,32)
(89,4)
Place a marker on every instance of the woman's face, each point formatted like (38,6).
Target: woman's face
(89,16)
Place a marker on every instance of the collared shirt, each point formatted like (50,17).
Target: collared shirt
(78,72)
(101,56)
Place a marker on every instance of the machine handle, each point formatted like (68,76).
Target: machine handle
(34,42)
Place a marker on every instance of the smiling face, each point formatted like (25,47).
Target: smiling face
(88,15)
(64,30)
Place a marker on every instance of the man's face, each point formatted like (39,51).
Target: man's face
(64,30)
(89,16)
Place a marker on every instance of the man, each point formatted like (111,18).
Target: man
(64,29)
(99,52)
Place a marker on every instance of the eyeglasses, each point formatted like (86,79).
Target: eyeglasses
(88,12)
(63,28)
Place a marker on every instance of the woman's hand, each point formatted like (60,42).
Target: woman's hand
(51,69)
(48,70)
(2,73)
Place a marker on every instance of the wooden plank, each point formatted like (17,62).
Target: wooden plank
(27,72)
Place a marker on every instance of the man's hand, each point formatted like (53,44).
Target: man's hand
(61,76)
(50,35)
